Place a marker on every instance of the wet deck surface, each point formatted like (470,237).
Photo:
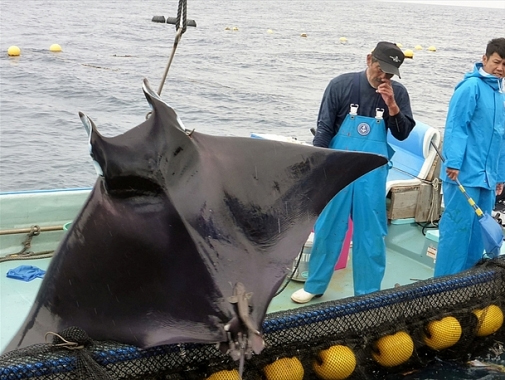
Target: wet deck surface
(16,297)
(399,270)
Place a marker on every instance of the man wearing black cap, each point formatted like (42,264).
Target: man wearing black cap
(355,113)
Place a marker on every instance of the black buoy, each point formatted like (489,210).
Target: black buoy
(173,20)
(158,19)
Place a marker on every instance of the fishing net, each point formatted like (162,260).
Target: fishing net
(366,337)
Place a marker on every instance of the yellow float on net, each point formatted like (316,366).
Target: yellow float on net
(13,51)
(336,363)
(418,47)
(303,34)
(432,48)
(284,369)
(225,375)
(393,350)
(490,320)
(343,40)
(399,45)
(443,333)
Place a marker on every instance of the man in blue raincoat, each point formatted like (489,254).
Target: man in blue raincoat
(355,113)
(474,151)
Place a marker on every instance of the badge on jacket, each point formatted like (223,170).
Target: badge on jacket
(363,129)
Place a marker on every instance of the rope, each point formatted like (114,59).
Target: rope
(412,175)
(290,277)
(25,253)
(182,9)
(66,344)
(80,344)
(180,28)
(27,256)
(436,186)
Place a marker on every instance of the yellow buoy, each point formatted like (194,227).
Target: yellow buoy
(443,333)
(336,363)
(418,47)
(227,28)
(55,48)
(408,53)
(13,51)
(399,45)
(432,48)
(303,35)
(393,350)
(225,375)
(284,369)
(343,40)
(270,31)
(235,28)
(490,320)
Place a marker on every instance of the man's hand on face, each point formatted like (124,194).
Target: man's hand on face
(386,91)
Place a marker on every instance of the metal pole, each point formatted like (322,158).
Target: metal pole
(28,230)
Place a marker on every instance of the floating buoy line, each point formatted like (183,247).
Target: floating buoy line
(55,48)
(15,51)
(389,351)
(408,53)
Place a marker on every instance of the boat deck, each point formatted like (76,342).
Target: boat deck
(16,297)
(409,259)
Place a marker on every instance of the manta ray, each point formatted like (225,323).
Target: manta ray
(185,236)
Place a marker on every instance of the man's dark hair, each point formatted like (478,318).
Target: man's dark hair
(496,45)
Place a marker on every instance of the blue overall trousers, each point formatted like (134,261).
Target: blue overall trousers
(461,245)
(365,201)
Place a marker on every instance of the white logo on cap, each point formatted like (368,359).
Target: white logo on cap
(395,59)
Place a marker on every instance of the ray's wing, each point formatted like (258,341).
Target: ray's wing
(175,221)
(253,202)
(265,200)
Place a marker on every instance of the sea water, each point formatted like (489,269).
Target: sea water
(259,76)
(248,67)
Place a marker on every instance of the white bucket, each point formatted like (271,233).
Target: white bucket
(302,272)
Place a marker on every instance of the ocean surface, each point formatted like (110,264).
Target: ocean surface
(262,77)
(223,82)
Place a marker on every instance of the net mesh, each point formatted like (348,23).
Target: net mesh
(364,337)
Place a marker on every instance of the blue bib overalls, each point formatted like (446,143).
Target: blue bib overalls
(365,201)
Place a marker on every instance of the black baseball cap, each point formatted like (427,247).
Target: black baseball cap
(390,57)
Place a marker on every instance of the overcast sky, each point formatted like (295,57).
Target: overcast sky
(468,3)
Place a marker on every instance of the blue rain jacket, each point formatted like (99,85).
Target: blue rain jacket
(475,145)
(475,132)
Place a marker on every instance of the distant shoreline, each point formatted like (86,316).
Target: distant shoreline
(455,3)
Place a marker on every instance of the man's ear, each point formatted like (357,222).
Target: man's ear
(369,60)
